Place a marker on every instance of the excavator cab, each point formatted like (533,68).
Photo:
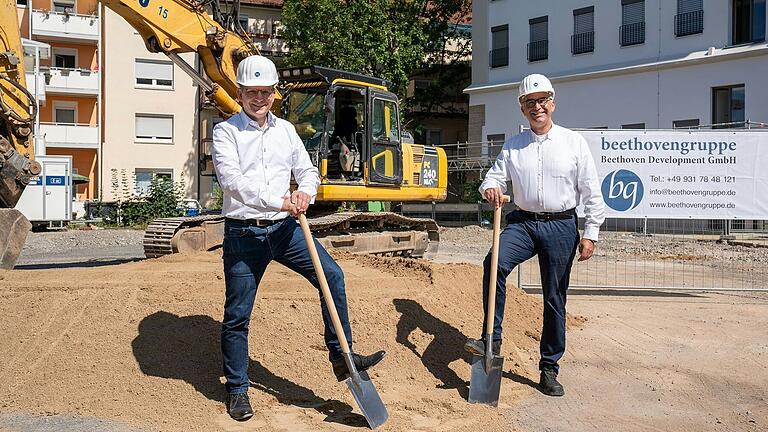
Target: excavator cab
(349,123)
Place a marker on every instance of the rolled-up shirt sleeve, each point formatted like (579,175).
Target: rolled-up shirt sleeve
(588,185)
(306,175)
(230,176)
(497,176)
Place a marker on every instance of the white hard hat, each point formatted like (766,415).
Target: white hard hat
(535,83)
(256,71)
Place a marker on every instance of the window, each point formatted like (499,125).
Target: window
(748,21)
(64,6)
(633,126)
(499,46)
(65,58)
(154,73)
(537,48)
(65,113)
(144,178)
(688,123)
(583,39)
(495,143)
(277,28)
(728,106)
(690,17)
(435,137)
(420,86)
(154,128)
(243,21)
(632,22)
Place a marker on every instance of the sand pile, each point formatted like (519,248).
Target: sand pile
(139,343)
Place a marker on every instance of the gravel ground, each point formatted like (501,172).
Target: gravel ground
(81,246)
(469,241)
(465,244)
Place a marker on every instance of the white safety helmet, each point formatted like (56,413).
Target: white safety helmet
(535,83)
(256,71)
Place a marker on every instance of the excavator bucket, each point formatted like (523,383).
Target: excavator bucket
(13,232)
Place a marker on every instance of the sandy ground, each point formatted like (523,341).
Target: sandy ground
(137,343)
(134,347)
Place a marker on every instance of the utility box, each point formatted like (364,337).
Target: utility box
(47,200)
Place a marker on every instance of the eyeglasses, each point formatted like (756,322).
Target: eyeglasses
(260,93)
(530,103)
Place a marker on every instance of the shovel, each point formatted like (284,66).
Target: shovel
(485,380)
(359,383)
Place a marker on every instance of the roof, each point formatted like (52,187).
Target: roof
(268,3)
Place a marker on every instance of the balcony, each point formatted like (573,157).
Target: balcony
(270,45)
(583,43)
(632,34)
(70,135)
(31,86)
(72,81)
(538,50)
(689,23)
(65,27)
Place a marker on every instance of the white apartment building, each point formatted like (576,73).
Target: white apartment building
(620,63)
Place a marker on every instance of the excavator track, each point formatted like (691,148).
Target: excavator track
(378,233)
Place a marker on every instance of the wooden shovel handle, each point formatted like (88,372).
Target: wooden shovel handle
(494,268)
(323,284)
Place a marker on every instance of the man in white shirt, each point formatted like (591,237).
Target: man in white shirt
(551,170)
(254,154)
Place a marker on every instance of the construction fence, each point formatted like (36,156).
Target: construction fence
(671,250)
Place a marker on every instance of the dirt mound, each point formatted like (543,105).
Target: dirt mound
(139,343)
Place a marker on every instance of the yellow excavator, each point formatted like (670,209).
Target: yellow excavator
(18,109)
(350,124)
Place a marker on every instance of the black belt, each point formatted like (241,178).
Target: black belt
(567,214)
(255,222)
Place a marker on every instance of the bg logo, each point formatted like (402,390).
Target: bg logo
(622,190)
(144,3)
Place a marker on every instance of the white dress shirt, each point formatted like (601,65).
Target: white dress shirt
(254,165)
(550,173)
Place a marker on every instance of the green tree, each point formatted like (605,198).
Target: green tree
(384,38)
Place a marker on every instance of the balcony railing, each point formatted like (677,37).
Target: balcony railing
(70,135)
(632,34)
(499,57)
(65,27)
(583,43)
(689,23)
(270,45)
(31,86)
(73,81)
(538,50)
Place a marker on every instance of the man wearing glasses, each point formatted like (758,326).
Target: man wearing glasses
(254,154)
(551,171)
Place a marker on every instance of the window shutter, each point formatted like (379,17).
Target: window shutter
(632,13)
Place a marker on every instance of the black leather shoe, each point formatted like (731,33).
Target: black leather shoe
(548,383)
(239,407)
(361,363)
(477,347)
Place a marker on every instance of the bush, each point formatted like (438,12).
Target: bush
(134,208)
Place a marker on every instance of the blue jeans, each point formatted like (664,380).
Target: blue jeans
(247,252)
(555,242)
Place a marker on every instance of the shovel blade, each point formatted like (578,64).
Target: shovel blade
(485,385)
(368,399)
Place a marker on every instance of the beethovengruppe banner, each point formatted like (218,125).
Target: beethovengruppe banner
(682,174)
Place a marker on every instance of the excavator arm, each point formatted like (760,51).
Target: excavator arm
(174,27)
(18,109)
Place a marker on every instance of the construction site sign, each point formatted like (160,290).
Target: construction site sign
(682,174)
